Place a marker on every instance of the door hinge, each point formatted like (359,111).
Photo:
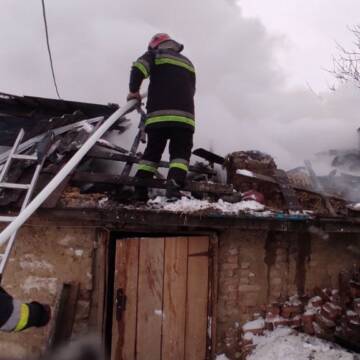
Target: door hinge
(120,303)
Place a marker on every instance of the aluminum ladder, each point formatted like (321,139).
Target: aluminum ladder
(39,158)
(8,234)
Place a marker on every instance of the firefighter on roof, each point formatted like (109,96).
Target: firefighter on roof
(170,110)
(17,316)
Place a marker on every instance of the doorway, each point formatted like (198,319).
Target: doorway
(162,291)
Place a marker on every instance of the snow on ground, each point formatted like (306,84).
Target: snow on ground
(222,357)
(286,344)
(186,205)
(255,324)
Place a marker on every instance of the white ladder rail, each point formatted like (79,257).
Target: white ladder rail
(58,131)
(12,152)
(4,258)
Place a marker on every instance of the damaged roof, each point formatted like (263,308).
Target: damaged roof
(36,115)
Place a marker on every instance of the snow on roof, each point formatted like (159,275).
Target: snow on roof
(245,172)
(286,344)
(191,205)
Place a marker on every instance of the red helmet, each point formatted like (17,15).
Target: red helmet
(157,39)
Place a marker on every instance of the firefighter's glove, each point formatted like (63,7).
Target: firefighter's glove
(134,96)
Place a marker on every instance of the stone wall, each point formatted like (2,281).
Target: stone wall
(257,268)
(43,258)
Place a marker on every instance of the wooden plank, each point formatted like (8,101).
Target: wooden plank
(209,156)
(119,280)
(96,154)
(102,178)
(175,278)
(197,299)
(131,292)
(199,186)
(127,267)
(64,315)
(150,298)
(213,283)
(98,306)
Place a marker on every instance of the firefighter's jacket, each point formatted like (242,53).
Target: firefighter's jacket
(17,316)
(171,88)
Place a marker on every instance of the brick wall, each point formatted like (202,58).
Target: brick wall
(242,282)
(257,268)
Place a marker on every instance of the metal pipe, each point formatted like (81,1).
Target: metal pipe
(65,171)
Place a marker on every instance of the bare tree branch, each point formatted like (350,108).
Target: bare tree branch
(346,65)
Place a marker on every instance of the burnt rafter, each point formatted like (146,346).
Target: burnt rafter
(102,178)
(102,155)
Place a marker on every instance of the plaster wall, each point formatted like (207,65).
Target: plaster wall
(43,258)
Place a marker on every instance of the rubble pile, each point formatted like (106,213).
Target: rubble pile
(330,314)
(255,161)
(71,196)
(259,163)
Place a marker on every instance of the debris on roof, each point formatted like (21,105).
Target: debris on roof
(37,115)
(254,183)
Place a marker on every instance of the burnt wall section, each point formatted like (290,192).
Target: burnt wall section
(43,258)
(257,268)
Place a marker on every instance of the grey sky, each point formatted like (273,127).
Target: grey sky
(310,30)
(244,99)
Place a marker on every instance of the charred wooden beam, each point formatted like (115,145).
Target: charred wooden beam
(150,220)
(201,187)
(96,154)
(209,156)
(251,176)
(62,321)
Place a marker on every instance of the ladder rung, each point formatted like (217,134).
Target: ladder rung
(25,157)
(7,218)
(14,186)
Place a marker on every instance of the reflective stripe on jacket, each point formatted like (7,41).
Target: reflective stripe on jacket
(14,316)
(171,88)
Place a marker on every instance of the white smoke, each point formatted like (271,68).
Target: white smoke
(242,100)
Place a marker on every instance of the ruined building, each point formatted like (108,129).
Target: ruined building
(163,280)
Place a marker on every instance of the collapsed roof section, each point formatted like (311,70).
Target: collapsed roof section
(37,115)
(247,171)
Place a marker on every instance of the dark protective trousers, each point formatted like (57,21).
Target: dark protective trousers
(181,142)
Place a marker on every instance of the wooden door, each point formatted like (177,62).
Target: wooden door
(166,283)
